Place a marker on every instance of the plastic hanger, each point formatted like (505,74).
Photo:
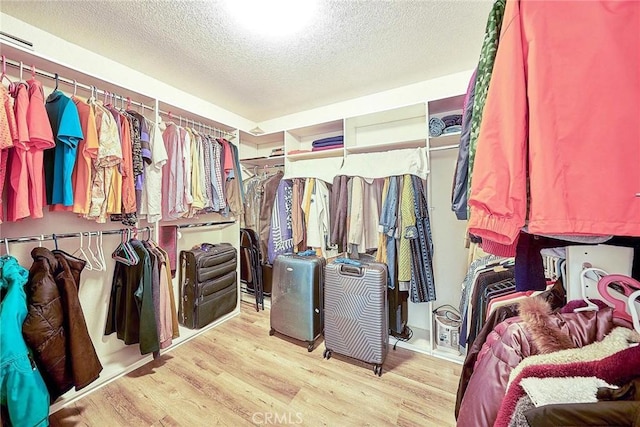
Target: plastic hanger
(586,269)
(57,82)
(55,240)
(75,90)
(6,247)
(99,265)
(101,252)
(626,285)
(633,309)
(4,71)
(80,253)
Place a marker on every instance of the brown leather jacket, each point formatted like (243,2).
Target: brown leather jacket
(55,328)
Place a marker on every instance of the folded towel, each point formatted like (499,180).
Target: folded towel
(327,147)
(328,141)
(436,126)
(547,391)
(452,120)
(452,129)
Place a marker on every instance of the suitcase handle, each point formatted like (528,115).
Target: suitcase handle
(348,270)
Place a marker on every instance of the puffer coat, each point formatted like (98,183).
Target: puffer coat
(55,327)
(504,349)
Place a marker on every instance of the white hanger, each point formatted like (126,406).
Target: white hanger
(6,246)
(96,259)
(583,285)
(83,256)
(41,240)
(633,309)
(101,252)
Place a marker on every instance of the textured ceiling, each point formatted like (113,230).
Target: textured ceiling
(349,49)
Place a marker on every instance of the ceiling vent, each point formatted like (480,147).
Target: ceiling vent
(16,40)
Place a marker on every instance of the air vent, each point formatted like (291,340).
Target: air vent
(16,40)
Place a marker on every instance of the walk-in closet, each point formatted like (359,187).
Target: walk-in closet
(320,213)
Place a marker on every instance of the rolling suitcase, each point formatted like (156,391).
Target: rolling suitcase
(296,297)
(355,311)
(250,268)
(208,284)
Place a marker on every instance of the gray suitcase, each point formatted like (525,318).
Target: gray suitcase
(296,297)
(355,311)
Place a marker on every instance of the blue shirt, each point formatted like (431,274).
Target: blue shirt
(59,162)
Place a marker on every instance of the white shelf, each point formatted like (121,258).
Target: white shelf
(444,140)
(323,154)
(263,161)
(403,127)
(387,146)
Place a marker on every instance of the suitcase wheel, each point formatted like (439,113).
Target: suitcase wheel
(272,331)
(327,354)
(310,346)
(377,369)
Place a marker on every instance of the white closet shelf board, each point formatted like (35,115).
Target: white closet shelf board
(255,146)
(119,365)
(448,355)
(317,129)
(263,161)
(323,154)
(386,146)
(400,127)
(439,107)
(444,140)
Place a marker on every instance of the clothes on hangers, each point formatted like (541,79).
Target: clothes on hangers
(281,229)
(22,388)
(141,309)
(58,336)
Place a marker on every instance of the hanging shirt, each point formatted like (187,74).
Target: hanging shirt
(152,191)
(40,139)
(87,154)
(318,224)
(173,186)
(196,177)
(8,132)
(18,189)
(106,164)
(59,163)
(185,139)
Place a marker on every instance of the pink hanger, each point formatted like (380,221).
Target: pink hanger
(628,285)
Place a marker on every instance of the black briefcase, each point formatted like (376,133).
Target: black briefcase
(208,284)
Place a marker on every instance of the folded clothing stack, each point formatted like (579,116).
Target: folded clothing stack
(328,143)
(277,152)
(448,124)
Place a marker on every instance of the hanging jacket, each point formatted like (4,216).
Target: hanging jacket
(22,389)
(558,144)
(55,328)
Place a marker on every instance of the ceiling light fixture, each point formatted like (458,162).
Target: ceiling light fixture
(275,18)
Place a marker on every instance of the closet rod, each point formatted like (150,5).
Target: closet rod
(444,147)
(222,132)
(56,236)
(72,83)
(206,224)
(128,100)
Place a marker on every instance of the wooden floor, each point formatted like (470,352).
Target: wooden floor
(236,374)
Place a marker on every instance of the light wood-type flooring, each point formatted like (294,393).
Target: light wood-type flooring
(236,375)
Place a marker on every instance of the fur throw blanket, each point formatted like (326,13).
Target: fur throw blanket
(617,340)
(618,369)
